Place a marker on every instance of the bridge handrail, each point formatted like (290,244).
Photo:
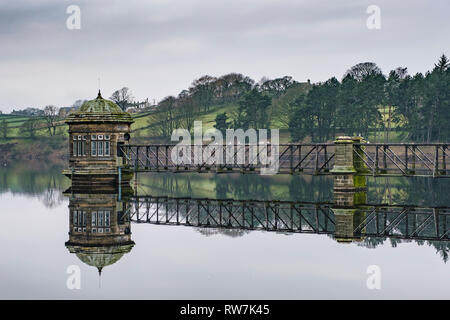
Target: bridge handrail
(298,144)
(438,144)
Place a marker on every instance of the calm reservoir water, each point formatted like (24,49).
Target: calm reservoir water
(181,262)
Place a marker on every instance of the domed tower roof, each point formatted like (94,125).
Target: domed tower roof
(100,256)
(99,110)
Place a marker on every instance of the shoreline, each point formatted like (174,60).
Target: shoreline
(32,151)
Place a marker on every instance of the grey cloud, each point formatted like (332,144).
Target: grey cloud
(158,47)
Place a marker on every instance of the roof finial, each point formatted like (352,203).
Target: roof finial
(99,276)
(99,96)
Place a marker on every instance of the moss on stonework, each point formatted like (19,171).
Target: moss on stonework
(343,140)
(100,105)
(99,110)
(342,169)
(343,211)
(360,198)
(359,182)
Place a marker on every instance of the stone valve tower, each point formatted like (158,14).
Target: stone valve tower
(96,133)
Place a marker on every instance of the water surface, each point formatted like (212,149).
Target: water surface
(177,262)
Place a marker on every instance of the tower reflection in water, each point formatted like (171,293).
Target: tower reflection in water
(99,232)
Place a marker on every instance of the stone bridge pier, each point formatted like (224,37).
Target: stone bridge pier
(349,188)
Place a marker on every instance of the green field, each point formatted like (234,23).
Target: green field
(15,123)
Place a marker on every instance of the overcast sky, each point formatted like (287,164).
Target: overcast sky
(158,47)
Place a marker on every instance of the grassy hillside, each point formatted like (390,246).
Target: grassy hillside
(143,127)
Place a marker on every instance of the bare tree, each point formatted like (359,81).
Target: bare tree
(362,70)
(187,110)
(402,73)
(203,91)
(77,104)
(122,98)
(164,120)
(51,116)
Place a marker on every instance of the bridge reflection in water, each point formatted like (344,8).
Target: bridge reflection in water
(345,223)
(100,221)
